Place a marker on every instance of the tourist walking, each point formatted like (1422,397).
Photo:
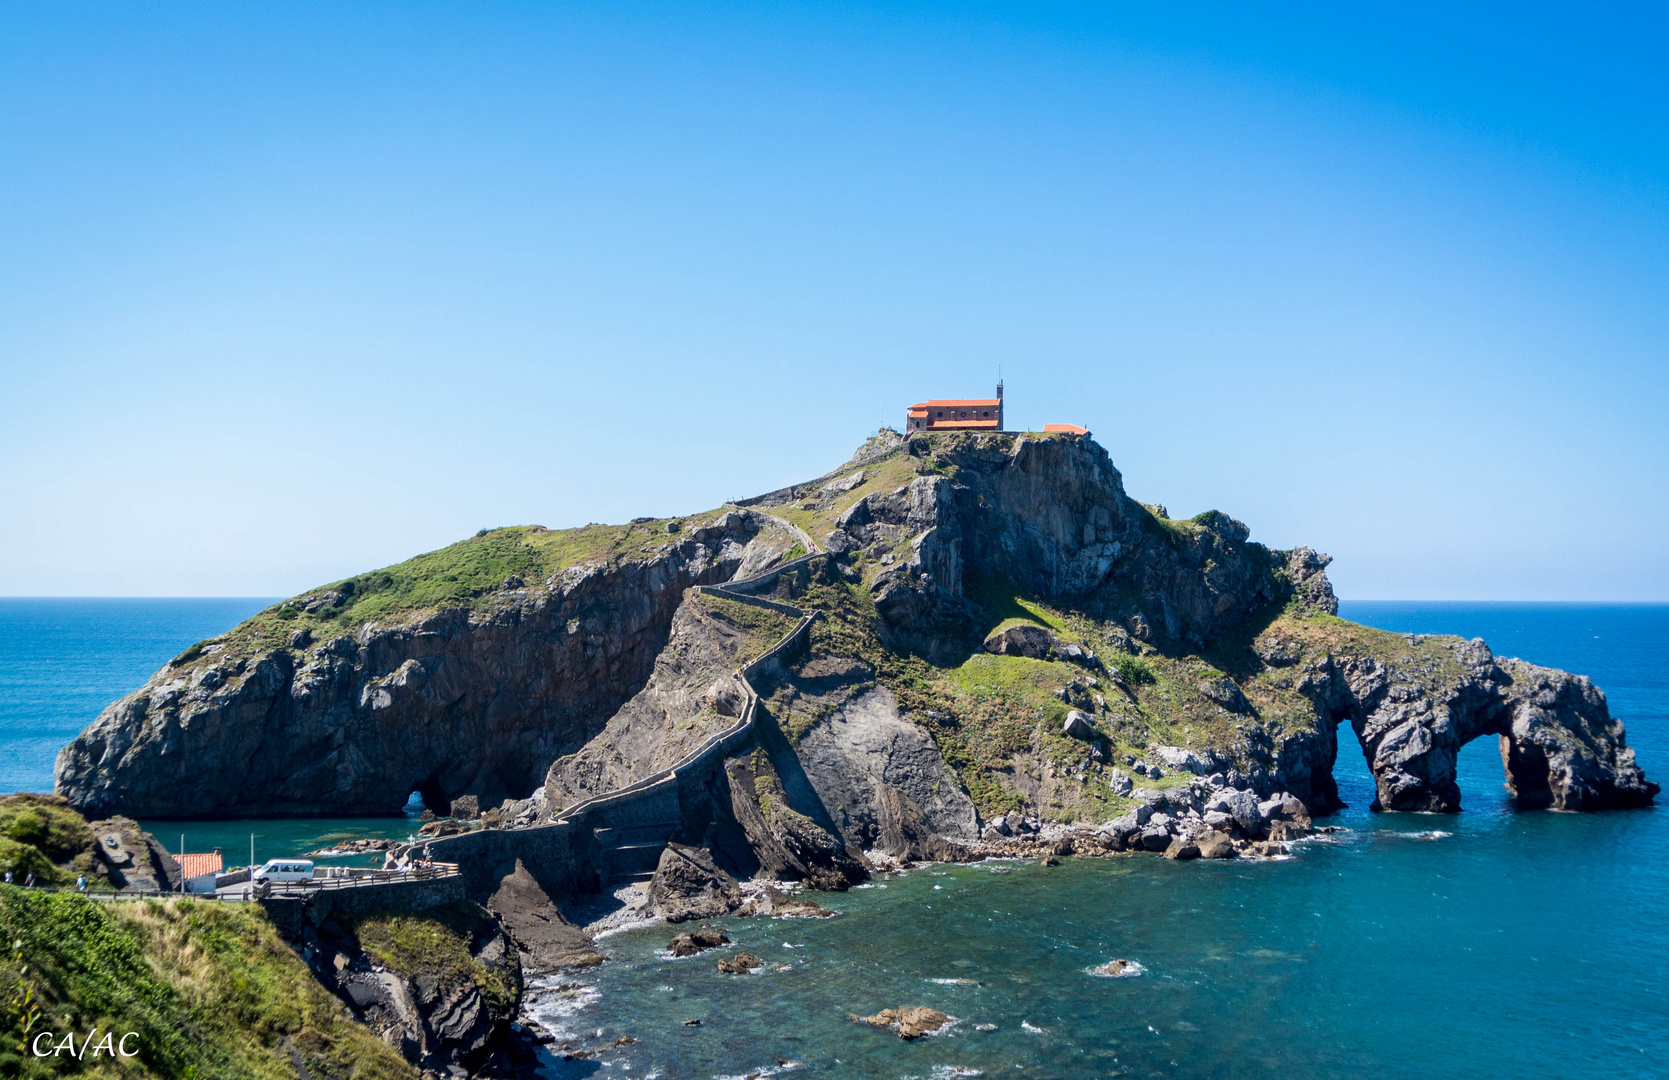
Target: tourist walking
(8,877)
(81,883)
(29,882)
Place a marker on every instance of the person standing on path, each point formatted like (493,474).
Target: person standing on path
(29,882)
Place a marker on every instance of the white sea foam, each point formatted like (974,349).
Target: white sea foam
(1427,835)
(1031,1029)
(555,1004)
(955,982)
(768,1070)
(1131,969)
(633,924)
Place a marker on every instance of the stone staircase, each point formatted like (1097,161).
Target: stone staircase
(634,824)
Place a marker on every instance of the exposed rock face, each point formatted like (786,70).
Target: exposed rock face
(1051,515)
(135,858)
(544,940)
(689,885)
(689,696)
(1559,745)
(449,703)
(439,1017)
(882,781)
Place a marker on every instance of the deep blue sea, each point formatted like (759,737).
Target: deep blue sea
(63,660)
(1484,944)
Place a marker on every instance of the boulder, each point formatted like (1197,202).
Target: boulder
(1120,782)
(1078,725)
(1178,757)
(1217,819)
(740,964)
(1225,693)
(1155,838)
(1022,639)
(1182,848)
(1281,831)
(466,807)
(1242,806)
(909,1023)
(689,885)
(694,941)
(1216,844)
(1284,807)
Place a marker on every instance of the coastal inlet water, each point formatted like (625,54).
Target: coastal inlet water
(1484,944)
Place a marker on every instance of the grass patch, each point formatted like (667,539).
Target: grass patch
(211,990)
(761,628)
(40,834)
(467,574)
(434,944)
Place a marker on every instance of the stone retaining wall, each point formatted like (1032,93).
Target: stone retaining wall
(291,914)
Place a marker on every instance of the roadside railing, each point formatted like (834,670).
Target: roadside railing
(335,883)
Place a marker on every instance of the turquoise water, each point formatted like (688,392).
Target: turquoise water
(276,838)
(1484,944)
(1509,946)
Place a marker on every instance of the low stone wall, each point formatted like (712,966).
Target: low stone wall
(291,914)
(564,857)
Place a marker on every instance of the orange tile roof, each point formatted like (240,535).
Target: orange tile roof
(1069,429)
(972,403)
(197,865)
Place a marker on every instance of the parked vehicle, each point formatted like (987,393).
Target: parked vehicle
(284,870)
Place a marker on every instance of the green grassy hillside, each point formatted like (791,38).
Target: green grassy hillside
(209,990)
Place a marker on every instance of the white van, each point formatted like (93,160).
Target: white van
(284,870)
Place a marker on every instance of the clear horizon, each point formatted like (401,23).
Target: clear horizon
(289,293)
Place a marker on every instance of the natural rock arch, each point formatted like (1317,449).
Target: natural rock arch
(1560,747)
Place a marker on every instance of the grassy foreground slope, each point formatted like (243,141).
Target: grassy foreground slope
(209,990)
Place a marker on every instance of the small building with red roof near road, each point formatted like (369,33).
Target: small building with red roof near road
(199,871)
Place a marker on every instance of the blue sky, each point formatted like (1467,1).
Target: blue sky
(291,291)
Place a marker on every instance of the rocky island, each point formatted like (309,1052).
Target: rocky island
(956,644)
